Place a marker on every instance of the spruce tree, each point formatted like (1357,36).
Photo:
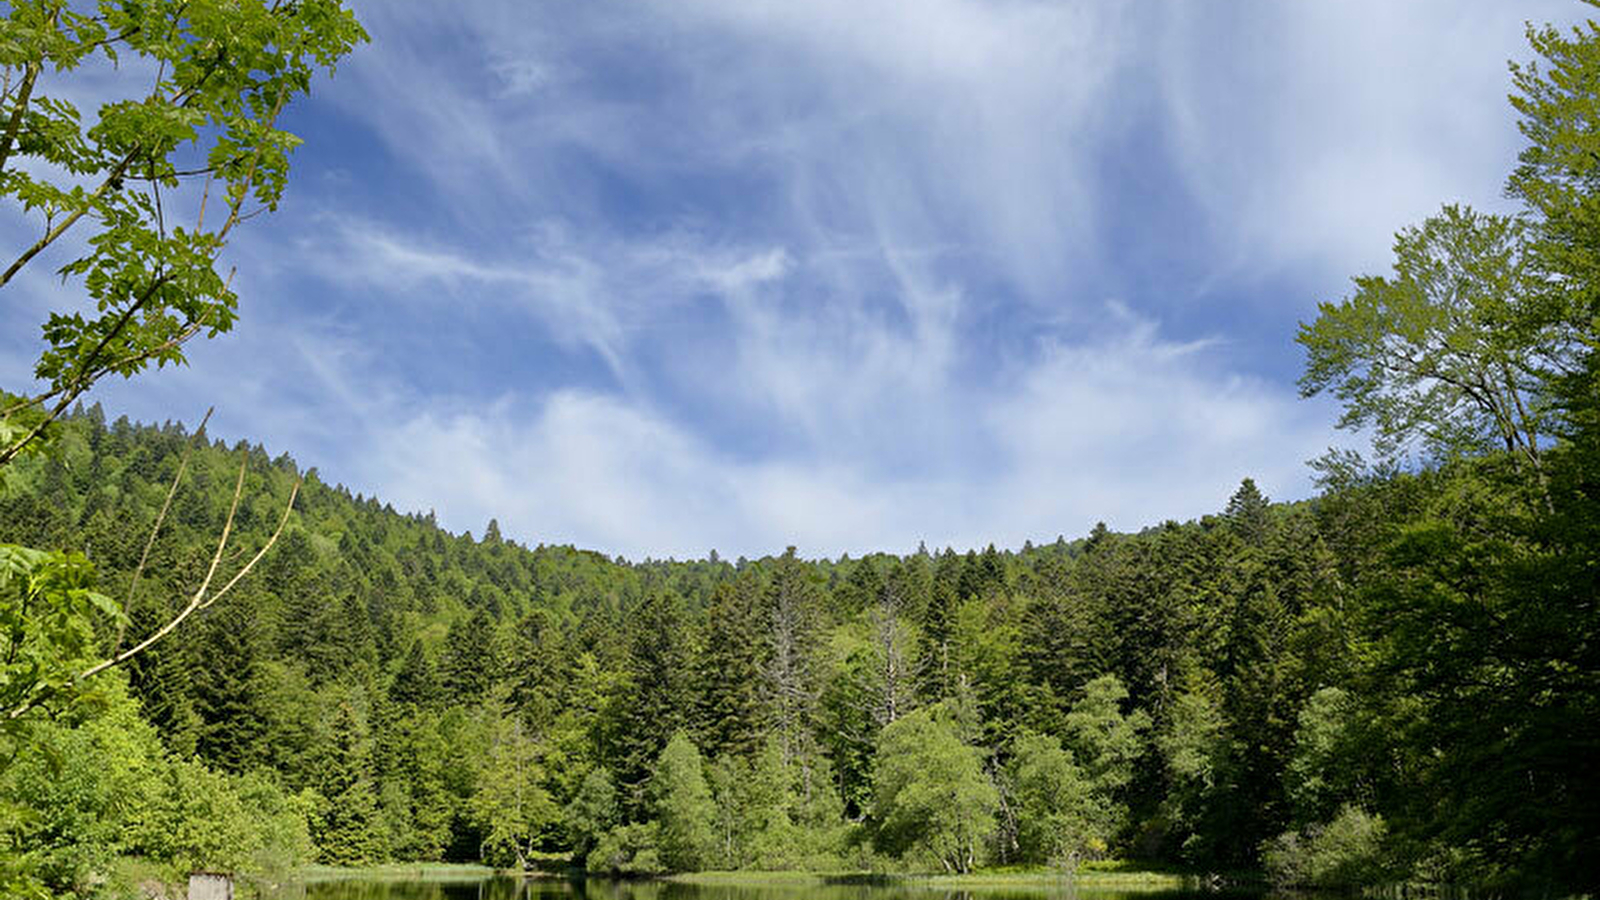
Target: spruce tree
(225,687)
(348,830)
(657,696)
(938,623)
(470,662)
(416,683)
(730,711)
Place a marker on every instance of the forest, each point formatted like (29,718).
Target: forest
(211,658)
(1394,679)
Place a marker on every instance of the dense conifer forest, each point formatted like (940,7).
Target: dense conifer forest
(1394,678)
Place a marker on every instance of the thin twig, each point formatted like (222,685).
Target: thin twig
(205,200)
(155,190)
(52,234)
(180,100)
(288,508)
(161,517)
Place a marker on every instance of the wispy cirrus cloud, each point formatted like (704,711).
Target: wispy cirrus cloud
(657,278)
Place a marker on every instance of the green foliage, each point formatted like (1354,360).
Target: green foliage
(1448,351)
(931,798)
(651,711)
(511,807)
(226,71)
(416,790)
(1191,711)
(1106,742)
(1323,775)
(1347,852)
(470,660)
(347,827)
(415,684)
(81,793)
(48,610)
(1558,102)
(591,814)
(73,789)
(1402,671)
(628,850)
(730,704)
(1193,749)
(684,809)
(1477,632)
(1061,819)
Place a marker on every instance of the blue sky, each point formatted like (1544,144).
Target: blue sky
(661,277)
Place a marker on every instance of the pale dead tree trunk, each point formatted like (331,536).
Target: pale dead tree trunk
(203,596)
(517,748)
(1008,813)
(787,675)
(783,677)
(895,672)
(884,692)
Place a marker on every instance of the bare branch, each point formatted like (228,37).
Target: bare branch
(161,517)
(199,600)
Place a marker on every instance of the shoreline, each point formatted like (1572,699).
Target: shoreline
(1122,878)
(1130,879)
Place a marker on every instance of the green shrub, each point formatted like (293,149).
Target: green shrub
(627,850)
(1346,852)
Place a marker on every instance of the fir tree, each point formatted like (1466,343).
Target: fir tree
(224,688)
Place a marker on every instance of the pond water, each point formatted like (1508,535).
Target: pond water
(502,888)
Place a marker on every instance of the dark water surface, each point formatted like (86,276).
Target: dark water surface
(501,888)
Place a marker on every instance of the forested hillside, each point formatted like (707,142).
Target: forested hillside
(210,658)
(1200,692)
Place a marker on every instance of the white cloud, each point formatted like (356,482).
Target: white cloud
(1312,132)
(1132,431)
(843,261)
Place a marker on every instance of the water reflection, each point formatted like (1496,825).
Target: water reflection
(502,888)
